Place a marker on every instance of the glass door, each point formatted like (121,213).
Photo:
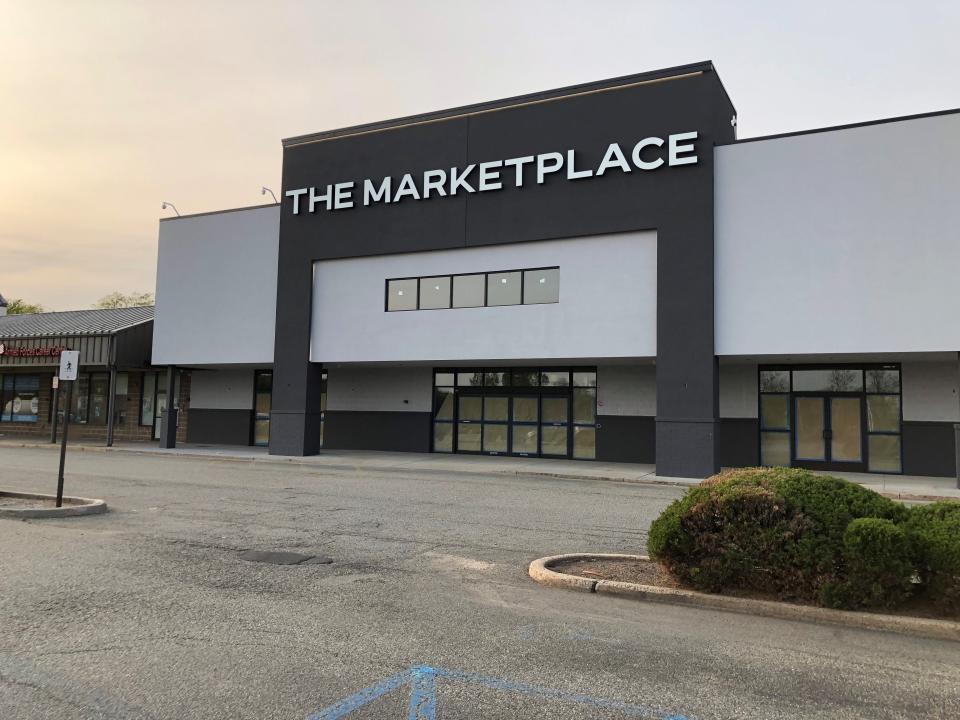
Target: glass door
(159,406)
(524,431)
(495,424)
(811,437)
(469,423)
(828,433)
(554,426)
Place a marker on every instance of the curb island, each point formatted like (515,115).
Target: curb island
(540,570)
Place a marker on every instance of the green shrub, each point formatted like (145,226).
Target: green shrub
(878,566)
(778,530)
(934,531)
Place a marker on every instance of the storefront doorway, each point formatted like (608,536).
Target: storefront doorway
(831,417)
(526,412)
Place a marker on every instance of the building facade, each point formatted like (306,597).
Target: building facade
(118,394)
(597,272)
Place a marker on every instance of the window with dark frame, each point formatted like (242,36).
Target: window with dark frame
(878,386)
(19,398)
(536,286)
(516,411)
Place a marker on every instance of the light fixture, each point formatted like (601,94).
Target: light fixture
(542,280)
(399,292)
(436,287)
(265,190)
(164,205)
(503,281)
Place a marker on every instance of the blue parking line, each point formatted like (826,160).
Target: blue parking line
(423,694)
(361,697)
(422,704)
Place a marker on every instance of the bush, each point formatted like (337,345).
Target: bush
(878,566)
(934,532)
(778,530)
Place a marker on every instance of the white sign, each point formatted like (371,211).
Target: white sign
(69,360)
(647,154)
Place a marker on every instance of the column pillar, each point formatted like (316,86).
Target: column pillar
(111,405)
(168,420)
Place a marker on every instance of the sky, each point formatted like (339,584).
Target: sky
(109,108)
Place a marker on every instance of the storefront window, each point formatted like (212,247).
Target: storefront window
(263,396)
(80,403)
(99,399)
(120,399)
(518,411)
(147,398)
(20,398)
(842,417)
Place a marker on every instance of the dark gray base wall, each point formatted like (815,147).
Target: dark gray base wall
(219,427)
(687,448)
(929,449)
(739,442)
(626,438)
(633,439)
(394,431)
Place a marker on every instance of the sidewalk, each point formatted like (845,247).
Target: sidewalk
(907,487)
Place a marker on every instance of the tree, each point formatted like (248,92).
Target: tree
(119,300)
(19,306)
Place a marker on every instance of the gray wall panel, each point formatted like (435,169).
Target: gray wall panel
(217,288)
(842,241)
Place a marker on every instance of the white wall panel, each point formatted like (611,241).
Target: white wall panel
(607,305)
(230,389)
(627,390)
(930,391)
(402,389)
(844,241)
(217,288)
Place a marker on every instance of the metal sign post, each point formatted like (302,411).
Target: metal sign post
(69,360)
(56,408)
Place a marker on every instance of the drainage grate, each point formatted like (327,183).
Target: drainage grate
(281,557)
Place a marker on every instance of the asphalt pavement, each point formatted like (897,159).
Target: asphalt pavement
(425,612)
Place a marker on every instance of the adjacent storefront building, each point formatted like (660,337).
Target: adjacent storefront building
(597,272)
(117,395)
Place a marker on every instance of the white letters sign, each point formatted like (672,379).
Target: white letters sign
(646,155)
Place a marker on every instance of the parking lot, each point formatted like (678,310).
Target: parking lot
(150,611)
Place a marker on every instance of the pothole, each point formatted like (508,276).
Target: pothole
(281,557)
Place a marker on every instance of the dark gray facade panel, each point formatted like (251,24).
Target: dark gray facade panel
(294,433)
(686,445)
(368,430)
(929,449)
(134,346)
(739,441)
(219,427)
(626,438)
(676,201)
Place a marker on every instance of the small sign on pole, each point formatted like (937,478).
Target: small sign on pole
(69,360)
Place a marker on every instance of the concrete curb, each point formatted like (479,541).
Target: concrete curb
(72,506)
(541,572)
